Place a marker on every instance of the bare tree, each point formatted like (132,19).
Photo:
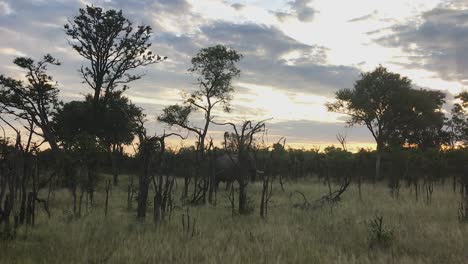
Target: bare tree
(342,139)
(241,140)
(150,153)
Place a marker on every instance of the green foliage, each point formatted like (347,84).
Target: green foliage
(380,236)
(425,234)
(392,111)
(112,46)
(176,115)
(423,122)
(339,163)
(34,102)
(119,121)
(216,67)
(72,121)
(459,121)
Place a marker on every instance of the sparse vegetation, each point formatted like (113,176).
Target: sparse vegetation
(424,233)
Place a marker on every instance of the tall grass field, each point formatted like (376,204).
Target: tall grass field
(410,232)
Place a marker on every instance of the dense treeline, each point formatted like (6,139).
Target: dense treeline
(417,144)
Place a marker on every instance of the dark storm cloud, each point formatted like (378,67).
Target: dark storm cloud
(439,42)
(263,64)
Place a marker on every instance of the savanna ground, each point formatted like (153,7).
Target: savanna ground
(422,233)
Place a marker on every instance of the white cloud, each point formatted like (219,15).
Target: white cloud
(289,70)
(11,52)
(5,8)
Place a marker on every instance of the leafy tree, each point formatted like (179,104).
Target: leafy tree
(120,123)
(112,46)
(73,122)
(118,126)
(33,102)
(215,67)
(424,121)
(393,112)
(459,121)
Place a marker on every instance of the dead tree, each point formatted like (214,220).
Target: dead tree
(329,199)
(163,184)
(108,189)
(267,190)
(150,153)
(342,139)
(189,225)
(240,141)
(19,182)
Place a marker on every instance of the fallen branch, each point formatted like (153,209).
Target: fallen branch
(331,198)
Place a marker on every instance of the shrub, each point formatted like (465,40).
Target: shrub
(380,236)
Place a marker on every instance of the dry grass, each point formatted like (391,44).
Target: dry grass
(423,233)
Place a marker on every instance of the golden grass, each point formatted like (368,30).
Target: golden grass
(423,233)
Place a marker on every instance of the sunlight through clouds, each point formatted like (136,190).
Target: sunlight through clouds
(282,106)
(291,67)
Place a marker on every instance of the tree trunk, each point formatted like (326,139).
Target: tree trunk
(359,187)
(186,185)
(115,167)
(74,201)
(378,160)
(243,198)
(157,209)
(143,187)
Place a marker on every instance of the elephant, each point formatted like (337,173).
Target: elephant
(227,169)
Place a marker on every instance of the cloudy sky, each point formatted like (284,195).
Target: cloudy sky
(297,53)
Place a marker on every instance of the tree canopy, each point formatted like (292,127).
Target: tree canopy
(34,102)
(392,110)
(112,46)
(459,121)
(215,68)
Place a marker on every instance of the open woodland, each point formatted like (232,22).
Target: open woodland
(71,192)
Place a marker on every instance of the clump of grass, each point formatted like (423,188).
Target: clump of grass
(380,235)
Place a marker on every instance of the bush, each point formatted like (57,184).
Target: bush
(380,236)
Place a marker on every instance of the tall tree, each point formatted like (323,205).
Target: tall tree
(112,46)
(72,123)
(34,102)
(240,141)
(118,126)
(459,121)
(215,67)
(393,112)
(424,121)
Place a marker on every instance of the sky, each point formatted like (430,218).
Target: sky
(297,54)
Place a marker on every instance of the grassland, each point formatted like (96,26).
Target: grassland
(422,233)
